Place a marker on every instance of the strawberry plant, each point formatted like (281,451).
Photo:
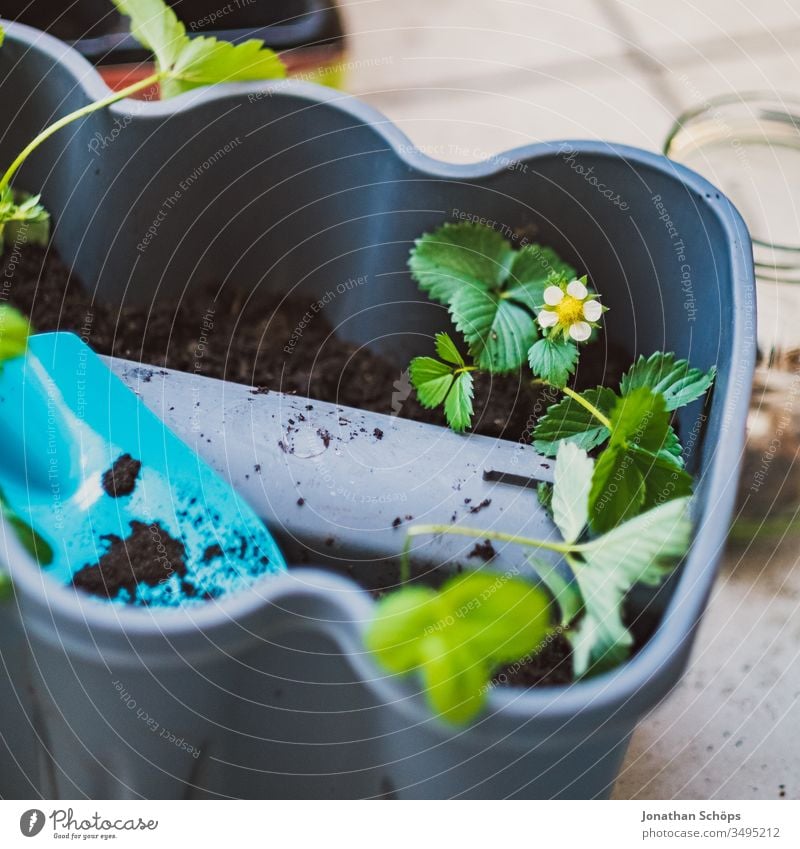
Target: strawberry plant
(622,514)
(457,638)
(182,64)
(527,308)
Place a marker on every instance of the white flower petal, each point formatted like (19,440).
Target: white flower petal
(553,295)
(580,331)
(577,290)
(592,310)
(547,318)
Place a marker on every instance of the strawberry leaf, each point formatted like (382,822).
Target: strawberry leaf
(5,587)
(186,63)
(498,331)
(566,593)
(432,380)
(206,61)
(33,542)
(553,360)
(14,333)
(674,379)
(571,484)
(640,418)
(532,270)
(643,550)
(569,421)
(637,470)
(22,219)
(457,637)
(446,349)
(458,404)
(156,26)
(458,256)
(617,491)
(444,383)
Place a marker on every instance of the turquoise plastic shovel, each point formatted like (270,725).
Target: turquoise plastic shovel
(131,513)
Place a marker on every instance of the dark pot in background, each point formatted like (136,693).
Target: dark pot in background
(308,188)
(307,33)
(73,21)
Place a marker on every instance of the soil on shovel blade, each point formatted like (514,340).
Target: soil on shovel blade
(222,335)
(120,479)
(148,555)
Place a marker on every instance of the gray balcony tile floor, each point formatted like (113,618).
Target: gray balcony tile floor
(466,79)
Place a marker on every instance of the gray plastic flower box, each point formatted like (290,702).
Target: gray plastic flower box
(269,693)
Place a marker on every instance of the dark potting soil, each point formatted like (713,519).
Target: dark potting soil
(226,337)
(120,479)
(552,665)
(148,555)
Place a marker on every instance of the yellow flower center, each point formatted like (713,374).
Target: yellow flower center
(569,310)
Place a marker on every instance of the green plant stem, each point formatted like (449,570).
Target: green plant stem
(476,533)
(603,419)
(153,79)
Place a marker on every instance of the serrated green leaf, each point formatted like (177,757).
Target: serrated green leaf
(638,548)
(437,382)
(637,470)
(447,350)
(600,641)
(206,61)
(458,403)
(565,592)
(544,493)
(532,269)
(643,550)
(498,331)
(553,360)
(663,479)
(674,379)
(571,484)
(458,255)
(640,417)
(22,219)
(156,26)
(14,332)
(617,492)
(188,63)
(672,450)
(457,637)
(432,380)
(568,421)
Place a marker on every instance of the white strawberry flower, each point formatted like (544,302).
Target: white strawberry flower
(570,309)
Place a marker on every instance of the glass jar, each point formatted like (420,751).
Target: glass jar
(749,146)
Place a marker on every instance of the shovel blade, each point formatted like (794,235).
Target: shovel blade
(104,481)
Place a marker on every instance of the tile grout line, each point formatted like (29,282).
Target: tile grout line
(652,70)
